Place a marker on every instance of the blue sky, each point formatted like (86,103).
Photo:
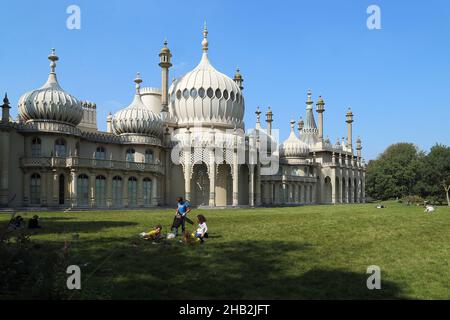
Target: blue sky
(395,79)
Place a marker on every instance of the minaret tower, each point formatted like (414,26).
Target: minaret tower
(301,124)
(349,120)
(164,62)
(320,108)
(258,118)
(358,148)
(269,120)
(5,109)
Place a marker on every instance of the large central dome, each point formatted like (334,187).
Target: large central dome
(204,96)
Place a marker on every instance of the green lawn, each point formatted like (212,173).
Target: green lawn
(314,252)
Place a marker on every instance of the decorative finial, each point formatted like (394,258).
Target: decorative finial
(138,81)
(292,125)
(238,79)
(6,100)
(309,100)
(258,114)
(205,38)
(53,58)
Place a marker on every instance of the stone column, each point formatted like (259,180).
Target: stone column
(363,187)
(258,186)
(313,193)
(44,182)
(139,191)
(308,194)
(125,191)
(235,180)
(92,190)
(346,187)
(109,202)
(212,184)
(26,189)
(276,193)
(74,190)
(55,188)
(155,191)
(333,188)
(251,184)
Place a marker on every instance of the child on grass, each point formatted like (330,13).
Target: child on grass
(202,229)
(154,234)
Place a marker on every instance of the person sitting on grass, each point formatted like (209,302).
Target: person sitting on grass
(154,234)
(33,223)
(202,229)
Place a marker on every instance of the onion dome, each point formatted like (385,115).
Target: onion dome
(137,118)
(50,102)
(206,96)
(293,147)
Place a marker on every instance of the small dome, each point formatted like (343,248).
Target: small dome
(293,147)
(137,118)
(205,95)
(50,102)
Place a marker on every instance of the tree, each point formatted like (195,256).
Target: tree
(395,172)
(437,173)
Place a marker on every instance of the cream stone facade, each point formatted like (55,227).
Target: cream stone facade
(187,140)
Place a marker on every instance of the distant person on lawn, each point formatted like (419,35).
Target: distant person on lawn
(183,208)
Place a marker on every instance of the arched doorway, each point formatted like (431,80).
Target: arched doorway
(200,185)
(338,190)
(328,189)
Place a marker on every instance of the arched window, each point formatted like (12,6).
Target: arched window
(35,189)
(117,191)
(36,147)
(77,149)
(60,148)
(83,190)
(149,156)
(100,153)
(132,192)
(100,191)
(147,192)
(130,155)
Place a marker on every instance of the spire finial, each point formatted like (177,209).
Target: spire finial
(292,125)
(205,38)
(258,115)
(5,99)
(138,81)
(53,58)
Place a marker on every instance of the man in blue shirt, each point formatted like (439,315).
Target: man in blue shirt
(182,210)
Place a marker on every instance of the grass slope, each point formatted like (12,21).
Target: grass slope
(313,252)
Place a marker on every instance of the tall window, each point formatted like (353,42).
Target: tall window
(100,191)
(83,190)
(60,148)
(35,189)
(130,155)
(148,156)
(77,149)
(132,191)
(36,147)
(100,153)
(147,192)
(117,191)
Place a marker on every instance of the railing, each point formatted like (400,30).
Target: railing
(77,162)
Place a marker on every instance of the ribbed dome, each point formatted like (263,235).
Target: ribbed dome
(51,102)
(205,95)
(137,118)
(293,147)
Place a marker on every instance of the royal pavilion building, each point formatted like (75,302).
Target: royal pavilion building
(187,139)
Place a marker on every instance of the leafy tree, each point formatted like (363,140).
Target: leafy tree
(395,172)
(436,182)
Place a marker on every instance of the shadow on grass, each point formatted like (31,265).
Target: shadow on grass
(227,270)
(58,225)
